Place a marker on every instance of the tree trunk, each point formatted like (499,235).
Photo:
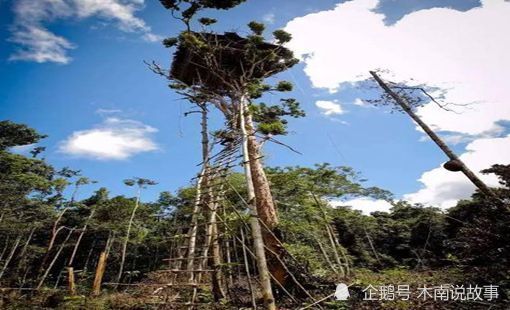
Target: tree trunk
(77,244)
(218,291)
(5,247)
(199,199)
(22,260)
(264,200)
(325,254)
(89,254)
(126,240)
(71,282)
(467,172)
(372,246)
(258,242)
(54,259)
(247,270)
(101,265)
(265,205)
(331,236)
(11,255)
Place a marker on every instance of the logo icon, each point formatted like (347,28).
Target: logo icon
(342,292)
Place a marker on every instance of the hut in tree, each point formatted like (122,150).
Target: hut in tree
(216,61)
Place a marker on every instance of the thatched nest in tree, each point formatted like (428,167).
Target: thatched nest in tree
(231,58)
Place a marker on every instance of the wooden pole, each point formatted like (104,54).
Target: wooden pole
(101,265)
(403,104)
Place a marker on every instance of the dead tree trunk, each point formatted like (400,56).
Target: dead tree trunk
(71,282)
(258,242)
(404,105)
(101,265)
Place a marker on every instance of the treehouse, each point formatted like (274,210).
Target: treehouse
(217,61)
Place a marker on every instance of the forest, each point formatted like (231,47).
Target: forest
(44,233)
(243,234)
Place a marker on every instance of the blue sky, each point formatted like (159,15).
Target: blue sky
(100,84)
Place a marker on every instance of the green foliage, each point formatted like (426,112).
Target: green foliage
(12,134)
(282,36)
(207,21)
(256,28)
(170,42)
(270,120)
(284,86)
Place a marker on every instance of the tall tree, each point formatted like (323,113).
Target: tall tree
(140,184)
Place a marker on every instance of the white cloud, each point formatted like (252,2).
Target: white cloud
(114,139)
(40,45)
(36,43)
(269,18)
(364,204)
(151,37)
(359,102)
(463,53)
(102,111)
(329,107)
(444,188)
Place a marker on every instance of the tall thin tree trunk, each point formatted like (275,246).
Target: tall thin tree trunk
(11,255)
(45,275)
(372,246)
(218,289)
(5,247)
(265,204)
(256,230)
(55,229)
(126,239)
(264,200)
(89,254)
(330,234)
(199,199)
(77,244)
(247,270)
(404,105)
(22,259)
(325,254)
